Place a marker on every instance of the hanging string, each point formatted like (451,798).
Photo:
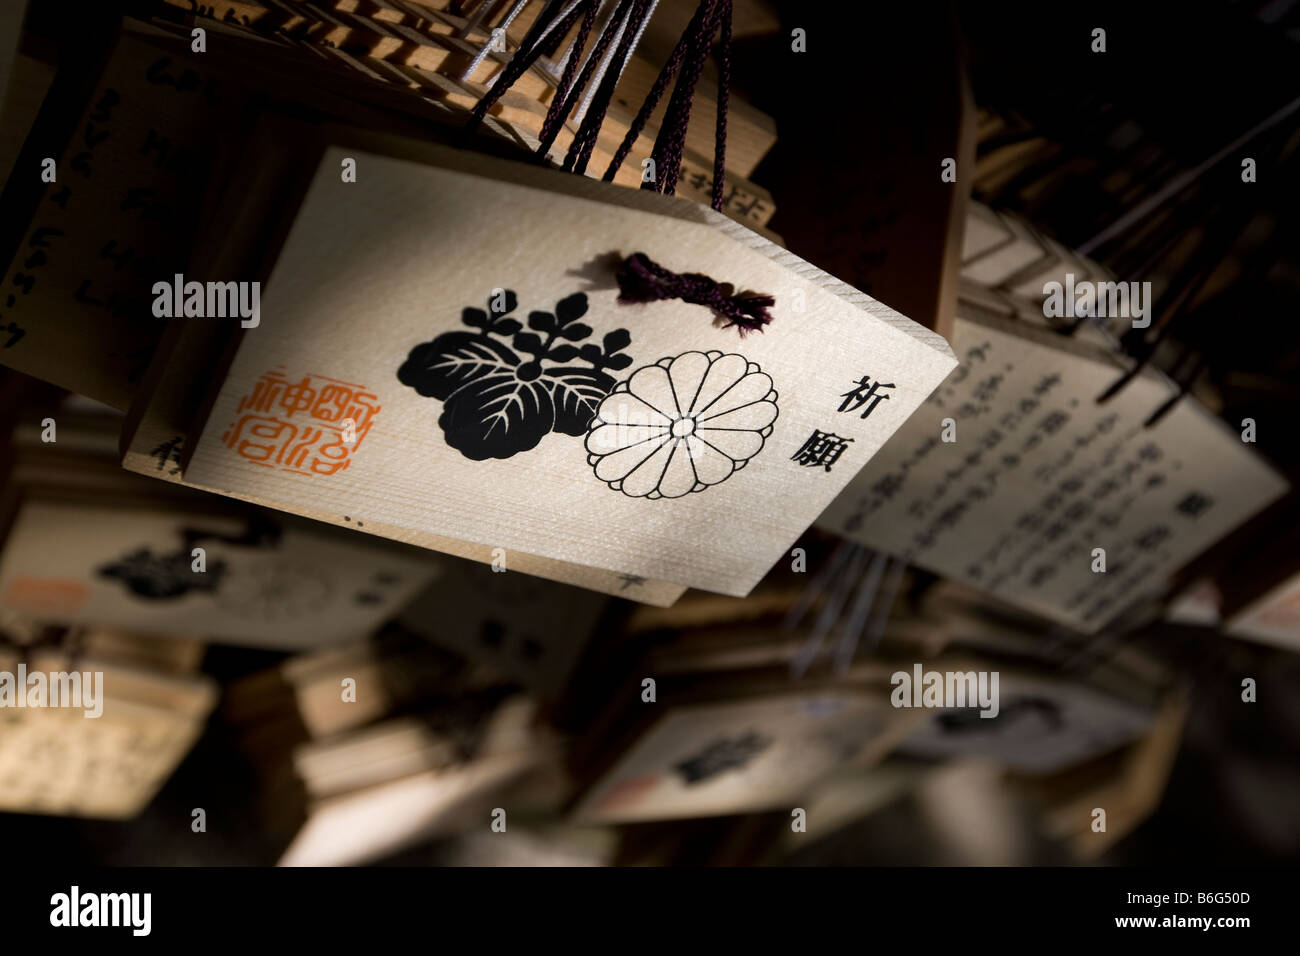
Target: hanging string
(559,109)
(551,42)
(548,21)
(636,40)
(624,27)
(1194,362)
(720,125)
(487,47)
(584,141)
(667,152)
(640,279)
(561,106)
(484,12)
(606,16)
(559,66)
(666,74)
(689,55)
(619,19)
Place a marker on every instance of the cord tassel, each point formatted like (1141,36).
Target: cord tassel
(640,279)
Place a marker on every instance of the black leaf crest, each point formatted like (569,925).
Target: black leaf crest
(162,576)
(501,399)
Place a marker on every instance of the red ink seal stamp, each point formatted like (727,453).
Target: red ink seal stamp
(310,426)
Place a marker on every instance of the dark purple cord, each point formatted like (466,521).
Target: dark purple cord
(667,153)
(666,74)
(688,57)
(585,140)
(529,50)
(560,104)
(593,64)
(640,279)
(724,81)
